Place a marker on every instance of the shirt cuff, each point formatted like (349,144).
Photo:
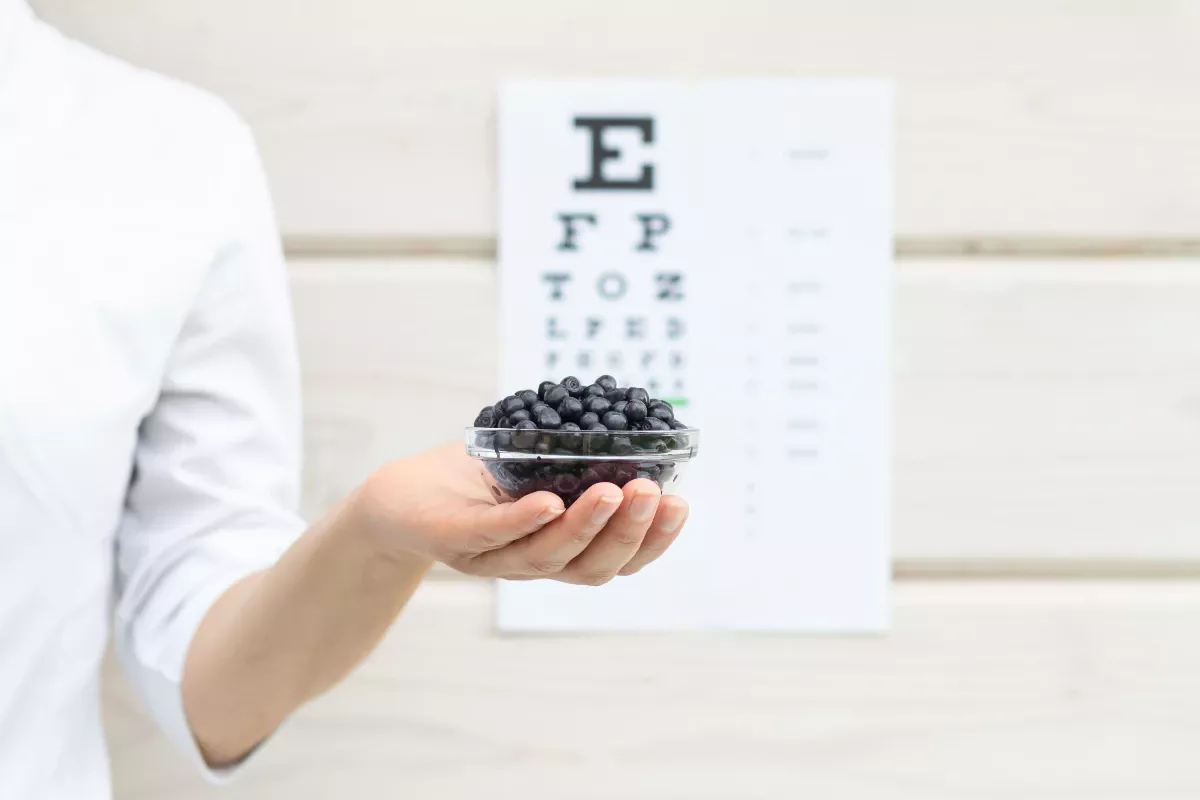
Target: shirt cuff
(155,642)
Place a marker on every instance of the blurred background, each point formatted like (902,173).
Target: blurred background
(1046,637)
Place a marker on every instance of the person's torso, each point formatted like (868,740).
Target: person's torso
(105,233)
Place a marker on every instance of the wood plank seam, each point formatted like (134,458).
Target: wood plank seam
(1032,247)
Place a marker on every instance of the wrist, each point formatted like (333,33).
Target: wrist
(375,524)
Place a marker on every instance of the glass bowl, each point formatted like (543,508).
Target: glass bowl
(568,462)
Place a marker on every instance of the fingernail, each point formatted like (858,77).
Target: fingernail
(605,508)
(643,507)
(674,519)
(549,515)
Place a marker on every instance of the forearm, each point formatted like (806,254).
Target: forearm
(281,637)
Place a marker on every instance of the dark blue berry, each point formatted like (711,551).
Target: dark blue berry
(623,474)
(635,411)
(555,395)
(548,419)
(590,477)
(595,440)
(567,483)
(615,421)
(487,418)
(518,416)
(593,391)
(620,446)
(528,397)
(504,422)
(620,406)
(572,385)
(524,435)
(483,439)
(653,424)
(570,409)
(597,405)
(607,381)
(502,440)
(511,404)
(544,446)
(588,420)
(677,425)
(614,395)
(569,436)
(661,410)
(538,406)
(637,393)
(543,387)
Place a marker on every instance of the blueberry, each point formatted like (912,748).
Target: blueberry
(502,440)
(555,395)
(621,446)
(538,406)
(597,405)
(620,406)
(528,397)
(597,441)
(483,439)
(653,424)
(566,483)
(677,425)
(544,446)
(570,409)
(613,395)
(518,416)
(615,421)
(662,411)
(511,404)
(504,422)
(569,437)
(623,474)
(548,419)
(637,393)
(524,435)
(635,411)
(593,391)
(651,472)
(607,381)
(487,418)
(543,387)
(590,477)
(589,419)
(572,385)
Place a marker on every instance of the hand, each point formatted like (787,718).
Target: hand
(437,505)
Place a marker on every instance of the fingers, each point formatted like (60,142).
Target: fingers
(549,551)
(620,540)
(668,522)
(486,527)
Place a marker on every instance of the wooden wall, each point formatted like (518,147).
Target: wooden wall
(1047,399)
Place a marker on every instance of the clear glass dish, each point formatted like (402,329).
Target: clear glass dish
(567,463)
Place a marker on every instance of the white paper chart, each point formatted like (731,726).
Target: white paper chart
(727,245)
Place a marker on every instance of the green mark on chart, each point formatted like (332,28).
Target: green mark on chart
(677,402)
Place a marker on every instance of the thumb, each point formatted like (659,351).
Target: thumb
(489,527)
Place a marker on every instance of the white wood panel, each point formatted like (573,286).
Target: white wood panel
(1045,412)
(1015,118)
(983,690)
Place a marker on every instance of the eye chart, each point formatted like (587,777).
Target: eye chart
(726,244)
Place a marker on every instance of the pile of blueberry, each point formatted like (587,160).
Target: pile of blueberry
(578,435)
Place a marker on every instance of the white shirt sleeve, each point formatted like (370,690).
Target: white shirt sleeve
(214,492)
